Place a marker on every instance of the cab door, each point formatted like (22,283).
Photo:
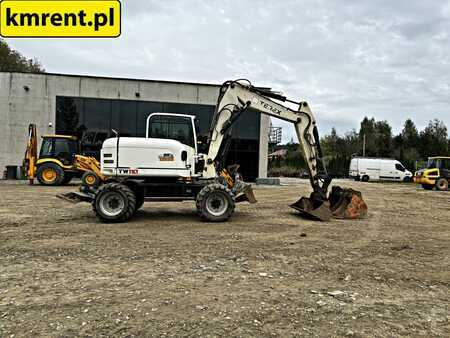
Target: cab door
(175,127)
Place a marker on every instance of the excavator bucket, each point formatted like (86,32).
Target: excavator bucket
(347,204)
(312,208)
(342,204)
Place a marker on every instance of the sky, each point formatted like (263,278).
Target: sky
(348,59)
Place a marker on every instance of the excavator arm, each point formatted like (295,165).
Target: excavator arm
(235,98)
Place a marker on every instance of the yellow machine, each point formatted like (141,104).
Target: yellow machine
(435,175)
(59,161)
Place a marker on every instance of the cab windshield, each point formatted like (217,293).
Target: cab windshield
(441,163)
(60,148)
(432,163)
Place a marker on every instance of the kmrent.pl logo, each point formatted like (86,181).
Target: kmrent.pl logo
(67,18)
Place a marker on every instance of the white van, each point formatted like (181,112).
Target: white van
(378,169)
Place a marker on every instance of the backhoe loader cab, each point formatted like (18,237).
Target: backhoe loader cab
(60,147)
(55,165)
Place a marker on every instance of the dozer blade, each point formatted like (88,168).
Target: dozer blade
(247,194)
(250,194)
(313,209)
(75,197)
(347,204)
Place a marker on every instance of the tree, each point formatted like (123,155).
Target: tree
(434,139)
(378,137)
(367,132)
(383,139)
(406,145)
(409,134)
(13,61)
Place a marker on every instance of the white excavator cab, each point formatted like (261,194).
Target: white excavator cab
(168,150)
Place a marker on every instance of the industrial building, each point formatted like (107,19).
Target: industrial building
(90,107)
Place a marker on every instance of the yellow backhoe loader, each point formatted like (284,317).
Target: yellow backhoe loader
(435,175)
(59,161)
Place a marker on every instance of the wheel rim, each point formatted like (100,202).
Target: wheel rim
(216,204)
(442,184)
(90,179)
(112,203)
(49,175)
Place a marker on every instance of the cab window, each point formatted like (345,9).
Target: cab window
(399,167)
(46,148)
(172,127)
(445,164)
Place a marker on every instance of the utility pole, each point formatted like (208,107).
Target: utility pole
(364,145)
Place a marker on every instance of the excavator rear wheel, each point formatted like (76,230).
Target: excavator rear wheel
(114,203)
(215,203)
(50,174)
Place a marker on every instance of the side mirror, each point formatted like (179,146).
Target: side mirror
(184,155)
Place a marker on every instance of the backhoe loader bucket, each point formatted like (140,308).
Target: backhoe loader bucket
(342,204)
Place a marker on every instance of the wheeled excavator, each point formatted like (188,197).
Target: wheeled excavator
(167,166)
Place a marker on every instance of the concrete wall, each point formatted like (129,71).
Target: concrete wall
(19,107)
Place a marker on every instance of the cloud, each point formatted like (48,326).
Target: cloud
(387,59)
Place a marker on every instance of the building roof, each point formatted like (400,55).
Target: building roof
(117,78)
(127,79)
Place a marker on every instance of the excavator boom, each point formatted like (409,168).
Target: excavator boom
(235,98)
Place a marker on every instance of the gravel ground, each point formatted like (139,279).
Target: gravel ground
(265,273)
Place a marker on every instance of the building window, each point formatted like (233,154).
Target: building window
(92,120)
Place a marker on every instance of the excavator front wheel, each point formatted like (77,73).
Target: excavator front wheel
(50,174)
(215,203)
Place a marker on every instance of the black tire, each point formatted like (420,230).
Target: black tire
(90,179)
(106,199)
(365,178)
(357,178)
(215,203)
(407,179)
(442,184)
(427,186)
(44,179)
